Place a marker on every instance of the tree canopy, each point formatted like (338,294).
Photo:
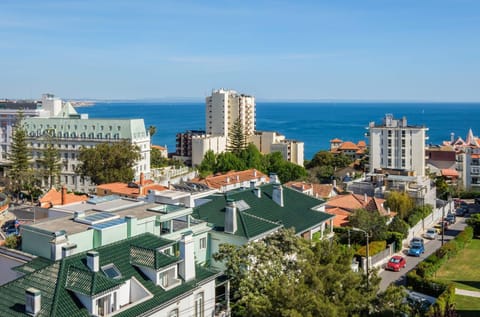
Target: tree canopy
(285,275)
(401,203)
(370,221)
(107,163)
(50,161)
(250,157)
(237,140)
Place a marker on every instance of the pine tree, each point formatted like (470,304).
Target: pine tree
(50,161)
(237,141)
(20,172)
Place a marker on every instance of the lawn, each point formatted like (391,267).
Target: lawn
(463,269)
(467,306)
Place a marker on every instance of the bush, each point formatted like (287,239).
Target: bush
(474,221)
(12,242)
(400,226)
(373,248)
(444,302)
(397,238)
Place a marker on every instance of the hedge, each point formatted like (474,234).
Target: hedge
(373,248)
(420,278)
(444,301)
(396,237)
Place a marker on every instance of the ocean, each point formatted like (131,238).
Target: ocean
(313,123)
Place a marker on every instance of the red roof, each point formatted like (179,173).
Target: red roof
(448,172)
(232,177)
(336,141)
(54,198)
(348,146)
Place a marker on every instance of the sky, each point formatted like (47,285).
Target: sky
(396,50)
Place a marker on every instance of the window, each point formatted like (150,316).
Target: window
(199,306)
(389,142)
(389,133)
(111,271)
(203,243)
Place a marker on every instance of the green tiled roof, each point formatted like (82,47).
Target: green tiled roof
(58,282)
(87,282)
(34,265)
(150,257)
(263,215)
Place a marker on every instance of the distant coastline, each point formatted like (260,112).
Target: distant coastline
(81,104)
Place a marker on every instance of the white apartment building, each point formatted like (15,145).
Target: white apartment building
(396,145)
(224,107)
(71,131)
(203,143)
(269,141)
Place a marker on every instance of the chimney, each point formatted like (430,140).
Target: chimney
(258,192)
(93,261)
(388,210)
(238,178)
(254,173)
(131,225)
(230,217)
(67,250)
(452,137)
(33,301)
(277,194)
(252,184)
(228,180)
(187,249)
(334,183)
(273,178)
(64,195)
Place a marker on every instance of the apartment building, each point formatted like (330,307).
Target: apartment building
(396,145)
(270,141)
(224,107)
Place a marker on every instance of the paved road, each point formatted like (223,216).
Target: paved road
(398,278)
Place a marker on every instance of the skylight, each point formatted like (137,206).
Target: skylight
(111,271)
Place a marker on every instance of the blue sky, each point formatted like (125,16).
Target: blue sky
(351,49)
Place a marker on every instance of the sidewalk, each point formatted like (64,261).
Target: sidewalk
(463,292)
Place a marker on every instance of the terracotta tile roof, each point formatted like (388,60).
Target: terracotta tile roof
(336,141)
(158,147)
(348,146)
(449,172)
(341,216)
(349,203)
(124,189)
(300,186)
(362,144)
(232,177)
(318,190)
(54,198)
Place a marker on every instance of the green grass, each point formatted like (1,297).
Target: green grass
(463,269)
(467,306)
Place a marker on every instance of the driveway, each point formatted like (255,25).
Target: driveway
(431,246)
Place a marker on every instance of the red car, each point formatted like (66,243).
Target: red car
(396,263)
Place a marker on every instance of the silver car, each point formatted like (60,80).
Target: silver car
(430,234)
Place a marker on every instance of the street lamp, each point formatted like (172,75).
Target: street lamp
(368,271)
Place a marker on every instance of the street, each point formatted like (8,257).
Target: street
(398,278)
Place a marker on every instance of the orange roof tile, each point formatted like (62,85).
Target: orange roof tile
(123,189)
(158,147)
(232,177)
(336,141)
(351,202)
(54,198)
(300,186)
(348,146)
(341,216)
(361,144)
(449,172)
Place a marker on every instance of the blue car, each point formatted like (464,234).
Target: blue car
(416,249)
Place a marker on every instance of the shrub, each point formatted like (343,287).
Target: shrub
(373,248)
(398,225)
(444,302)
(12,242)
(397,238)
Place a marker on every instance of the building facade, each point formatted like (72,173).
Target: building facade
(224,107)
(396,145)
(270,141)
(71,131)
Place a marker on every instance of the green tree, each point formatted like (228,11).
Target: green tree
(252,157)
(237,140)
(20,172)
(401,203)
(208,165)
(50,161)
(474,221)
(285,275)
(228,161)
(151,131)
(156,159)
(370,221)
(399,225)
(327,158)
(107,163)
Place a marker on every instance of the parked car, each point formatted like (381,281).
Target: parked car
(431,234)
(416,240)
(11,232)
(461,211)
(450,218)
(9,224)
(396,263)
(416,249)
(442,225)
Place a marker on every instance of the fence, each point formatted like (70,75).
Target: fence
(378,259)
(428,222)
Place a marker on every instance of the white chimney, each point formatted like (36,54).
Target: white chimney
(258,192)
(33,301)
(230,217)
(67,250)
(277,194)
(254,173)
(238,178)
(228,180)
(365,198)
(334,183)
(93,261)
(274,178)
(187,249)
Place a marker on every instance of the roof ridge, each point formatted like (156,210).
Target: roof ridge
(56,292)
